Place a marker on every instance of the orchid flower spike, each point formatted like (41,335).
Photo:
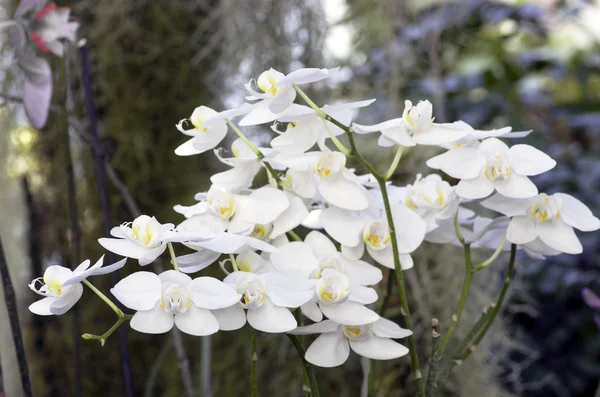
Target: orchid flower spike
(62,287)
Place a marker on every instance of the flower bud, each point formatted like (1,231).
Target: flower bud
(220,201)
(377,235)
(333,287)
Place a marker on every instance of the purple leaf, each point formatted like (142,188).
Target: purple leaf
(36,98)
(590,298)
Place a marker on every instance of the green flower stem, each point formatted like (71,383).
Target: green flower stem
(492,258)
(310,103)
(314,387)
(253,360)
(414,359)
(270,171)
(233,263)
(102,338)
(382,310)
(294,236)
(105,299)
(499,302)
(483,318)
(457,229)
(395,163)
(439,353)
(435,340)
(173,257)
(336,141)
(122,317)
(461,303)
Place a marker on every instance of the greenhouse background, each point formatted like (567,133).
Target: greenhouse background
(528,64)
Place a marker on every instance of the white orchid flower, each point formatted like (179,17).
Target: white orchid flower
(416,127)
(374,341)
(494,166)
(241,212)
(473,139)
(340,291)
(62,287)
(267,298)
(544,224)
(173,298)
(434,199)
(326,172)
(144,239)
(306,128)
(218,242)
(277,94)
(205,137)
(355,229)
(245,165)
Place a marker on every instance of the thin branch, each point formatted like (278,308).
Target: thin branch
(75,240)
(253,362)
(13,317)
(314,387)
(99,161)
(499,302)
(435,340)
(156,367)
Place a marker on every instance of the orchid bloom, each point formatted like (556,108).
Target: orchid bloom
(62,287)
(544,224)
(205,137)
(355,229)
(277,94)
(433,199)
(245,163)
(326,173)
(217,242)
(374,341)
(267,298)
(240,212)
(473,139)
(494,166)
(143,239)
(173,298)
(340,291)
(416,127)
(305,128)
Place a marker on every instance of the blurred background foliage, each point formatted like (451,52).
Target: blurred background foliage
(528,64)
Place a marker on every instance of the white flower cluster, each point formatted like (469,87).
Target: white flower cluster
(327,274)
